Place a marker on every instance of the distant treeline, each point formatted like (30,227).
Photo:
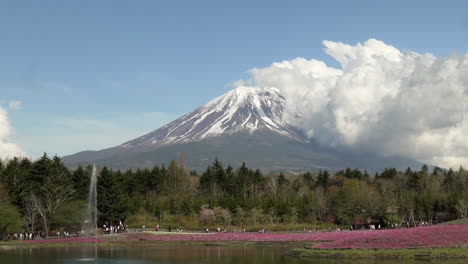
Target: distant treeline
(45,195)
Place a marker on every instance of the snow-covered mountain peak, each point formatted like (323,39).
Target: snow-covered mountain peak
(241,109)
(264,101)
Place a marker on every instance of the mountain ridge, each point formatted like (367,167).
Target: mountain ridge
(243,125)
(241,109)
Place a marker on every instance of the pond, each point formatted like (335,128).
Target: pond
(152,253)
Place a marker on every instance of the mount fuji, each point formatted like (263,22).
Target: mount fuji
(241,110)
(243,125)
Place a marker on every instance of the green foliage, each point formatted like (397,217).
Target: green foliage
(10,218)
(80,180)
(142,217)
(227,196)
(112,203)
(71,215)
(322,179)
(282,180)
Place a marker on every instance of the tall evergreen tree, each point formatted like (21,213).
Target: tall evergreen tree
(282,181)
(308,180)
(322,179)
(80,180)
(111,199)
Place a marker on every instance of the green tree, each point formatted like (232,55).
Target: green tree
(71,215)
(207,181)
(282,181)
(322,179)
(80,180)
(10,218)
(17,181)
(243,178)
(157,180)
(51,189)
(112,206)
(177,180)
(308,180)
(345,202)
(257,180)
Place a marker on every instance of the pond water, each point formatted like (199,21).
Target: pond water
(142,254)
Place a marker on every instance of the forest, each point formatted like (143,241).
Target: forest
(45,195)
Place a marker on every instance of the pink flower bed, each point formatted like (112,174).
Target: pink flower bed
(234,237)
(430,236)
(66,240)
(421,237)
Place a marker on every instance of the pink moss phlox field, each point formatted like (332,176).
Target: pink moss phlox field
(235,237)
(420,237)
(66,240)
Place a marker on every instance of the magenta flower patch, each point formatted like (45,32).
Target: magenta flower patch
(429,236)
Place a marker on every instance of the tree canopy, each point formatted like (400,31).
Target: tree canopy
(46,195)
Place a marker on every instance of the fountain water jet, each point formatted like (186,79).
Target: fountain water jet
(90,224)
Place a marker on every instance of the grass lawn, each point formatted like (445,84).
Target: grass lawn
(401,253)
(463,221)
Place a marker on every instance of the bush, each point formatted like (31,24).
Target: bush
(142,217)
(10,219)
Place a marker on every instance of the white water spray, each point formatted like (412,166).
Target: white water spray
(90,225)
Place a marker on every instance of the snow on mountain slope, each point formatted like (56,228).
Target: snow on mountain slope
(243,125)
(242,109)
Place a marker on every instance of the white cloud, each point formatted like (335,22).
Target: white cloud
(237,83)
(16,104)
(381,99)
(7,149)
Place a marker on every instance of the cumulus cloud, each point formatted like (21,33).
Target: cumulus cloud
(7,149)
(381,99)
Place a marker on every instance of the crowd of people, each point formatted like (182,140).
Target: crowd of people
(113,229)
(106,229)
(26,236)
(120,228)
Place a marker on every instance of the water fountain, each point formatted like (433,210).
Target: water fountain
(90,223)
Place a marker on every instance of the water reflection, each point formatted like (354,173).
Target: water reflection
(142,254)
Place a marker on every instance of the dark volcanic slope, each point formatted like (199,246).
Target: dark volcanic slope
(245,124)
(264,150)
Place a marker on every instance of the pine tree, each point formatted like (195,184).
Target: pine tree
(322,179)
(111,198)
(282,180)
(219,174)
(308,180)
(243,176)
(155,180)
(257,181)
(207,181)
(80,181)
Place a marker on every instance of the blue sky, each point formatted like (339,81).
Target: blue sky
(93,74)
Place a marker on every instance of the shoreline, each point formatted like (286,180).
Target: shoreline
(111,243)
(432,242)
(297,249)
(441,253)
